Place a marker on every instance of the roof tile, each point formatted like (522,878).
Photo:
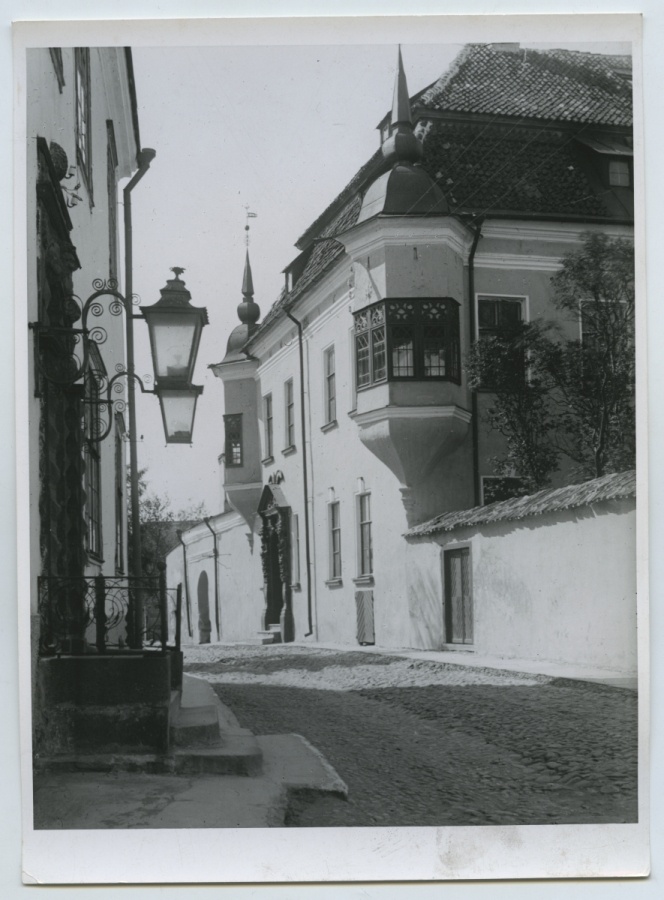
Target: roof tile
(608,487)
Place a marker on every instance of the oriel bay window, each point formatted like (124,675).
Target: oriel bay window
(233,443)
(416,339)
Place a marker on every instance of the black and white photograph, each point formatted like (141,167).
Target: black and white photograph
(329,357)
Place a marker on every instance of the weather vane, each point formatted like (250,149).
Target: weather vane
(250,215)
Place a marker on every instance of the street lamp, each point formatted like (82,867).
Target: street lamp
(178,408)
(64,355)
(175,332)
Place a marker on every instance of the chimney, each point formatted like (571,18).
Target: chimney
(506,48)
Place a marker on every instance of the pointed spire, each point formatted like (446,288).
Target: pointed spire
(248,312)
(247,281)
(401,146)
(401,102)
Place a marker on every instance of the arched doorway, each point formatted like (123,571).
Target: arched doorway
(276,558)
(204,624)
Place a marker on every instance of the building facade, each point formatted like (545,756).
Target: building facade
(82,139)
(348,416)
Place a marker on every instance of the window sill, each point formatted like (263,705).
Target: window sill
(267,461)
(363,580)
(329,426)
(458,648)
(288,451)
(352,413)
(334,583)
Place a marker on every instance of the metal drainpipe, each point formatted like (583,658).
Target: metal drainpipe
(477,233)
(307,548)
(215,554)
(187,598)
(144,157)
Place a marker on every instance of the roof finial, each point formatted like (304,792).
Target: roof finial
(401,101)
(247,281)
(401,145)
(248,311)
(250,215)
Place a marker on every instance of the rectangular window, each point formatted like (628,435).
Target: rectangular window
(619,173)
(111,192)
(335,540)
(290,413)
(352,371)
(498,314)
(363,367)
(93,499)
(92,480)
(458,597)
(496,318)
(433,340)
(330,387)
(83,137)
(119,503)
(295,550)
(403,360)
(268,420)
(378,354)
(365,546)
(233,446)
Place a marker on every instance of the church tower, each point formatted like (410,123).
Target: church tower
(241,455)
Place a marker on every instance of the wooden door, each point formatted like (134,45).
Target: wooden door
(458,597)
(365,617)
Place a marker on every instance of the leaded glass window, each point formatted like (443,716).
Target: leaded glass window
(233,452)
(408,339)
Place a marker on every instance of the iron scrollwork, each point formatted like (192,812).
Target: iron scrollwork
(64,354)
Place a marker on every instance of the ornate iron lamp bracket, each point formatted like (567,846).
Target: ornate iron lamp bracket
(65,367)
(113,404)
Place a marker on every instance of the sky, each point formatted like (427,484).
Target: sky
(279,130)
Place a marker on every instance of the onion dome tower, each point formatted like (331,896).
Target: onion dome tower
(242,473)
(248,313)
(406,189)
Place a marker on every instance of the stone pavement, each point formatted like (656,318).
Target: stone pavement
(470,659)
(420,738)
(432,743)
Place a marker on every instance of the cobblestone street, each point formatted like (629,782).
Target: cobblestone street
(426,743)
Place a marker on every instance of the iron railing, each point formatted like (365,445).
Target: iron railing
(79,614)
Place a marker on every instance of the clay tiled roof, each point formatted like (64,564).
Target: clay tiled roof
(324,253)
(499,168)
(608,487)
(558,85)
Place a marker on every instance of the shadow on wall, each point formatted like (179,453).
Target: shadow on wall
(425,596)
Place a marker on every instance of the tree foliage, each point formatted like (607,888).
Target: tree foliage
(511,364)
(554,396)
(595,378)
(159,524)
